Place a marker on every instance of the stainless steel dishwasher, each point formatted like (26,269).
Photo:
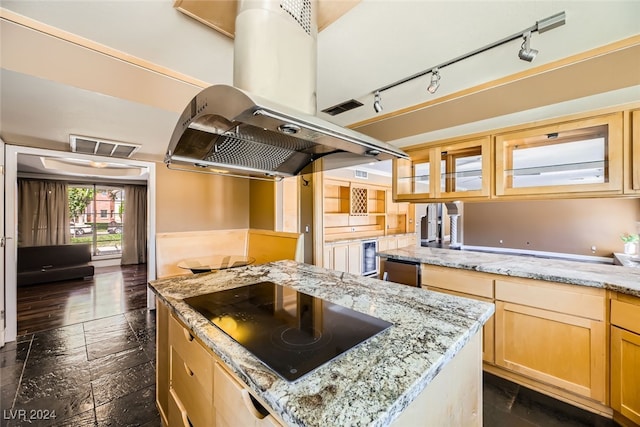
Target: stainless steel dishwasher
(400,271)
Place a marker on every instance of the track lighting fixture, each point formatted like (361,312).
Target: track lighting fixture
(377,102)
(526,53)
(435,81)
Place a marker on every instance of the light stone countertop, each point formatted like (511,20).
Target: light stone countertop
(372,383)
(607,276)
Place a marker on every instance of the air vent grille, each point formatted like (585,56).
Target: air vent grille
(343,107)
(300,10)
(101,147)
(361,174)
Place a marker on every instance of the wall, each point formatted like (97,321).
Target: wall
(262,197)
(565,226)
(188,201)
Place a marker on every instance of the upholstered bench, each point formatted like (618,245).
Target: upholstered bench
(40,264)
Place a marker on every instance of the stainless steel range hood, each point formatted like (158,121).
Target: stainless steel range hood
(228,130)
(264,126)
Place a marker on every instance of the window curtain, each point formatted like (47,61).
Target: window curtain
(43,217)
(134,227)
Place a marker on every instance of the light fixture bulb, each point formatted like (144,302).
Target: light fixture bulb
(526,53)
(435,81)
(377,103)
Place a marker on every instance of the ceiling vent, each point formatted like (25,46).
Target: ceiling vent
(343,107)
(101,147)
(361,174)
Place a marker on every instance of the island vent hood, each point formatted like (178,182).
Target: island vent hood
(265,126)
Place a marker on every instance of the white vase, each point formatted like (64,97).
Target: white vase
(630,248)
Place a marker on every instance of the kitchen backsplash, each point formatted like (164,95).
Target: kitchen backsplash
(582,226)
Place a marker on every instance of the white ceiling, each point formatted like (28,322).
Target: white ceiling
(44,99)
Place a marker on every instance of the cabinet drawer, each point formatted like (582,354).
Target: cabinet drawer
(193,354)
(177,413)
(625,315)
(186,386)
(456,280)
(568,299)
(234,405)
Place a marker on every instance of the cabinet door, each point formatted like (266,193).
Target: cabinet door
(633,150)
(583,156)
(414,179)
(341,258)
(625,373)
(327,257)
(555,348)
(355,258)
(464,169)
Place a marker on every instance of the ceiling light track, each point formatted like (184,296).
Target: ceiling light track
(525,53)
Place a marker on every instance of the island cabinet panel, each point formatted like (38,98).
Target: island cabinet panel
(191,376)
(473,285)
(235,406)
(454,397)
(625,359)
(162,360)
(553,333)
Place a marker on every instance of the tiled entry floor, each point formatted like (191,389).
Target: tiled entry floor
(101,373)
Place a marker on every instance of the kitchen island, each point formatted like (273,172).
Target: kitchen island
(397,376)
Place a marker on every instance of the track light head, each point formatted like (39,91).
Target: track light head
(435,81)
(377,102)
(526,53)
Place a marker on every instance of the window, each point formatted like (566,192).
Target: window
(103,231)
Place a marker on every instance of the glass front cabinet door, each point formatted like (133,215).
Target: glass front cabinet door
(579,156)
(460,170)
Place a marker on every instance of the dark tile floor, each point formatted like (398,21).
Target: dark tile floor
(96,373)
(101,373)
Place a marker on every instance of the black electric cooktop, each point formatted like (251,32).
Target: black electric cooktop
(290,332)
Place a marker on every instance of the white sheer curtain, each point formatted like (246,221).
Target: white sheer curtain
(134,227)
(43,217)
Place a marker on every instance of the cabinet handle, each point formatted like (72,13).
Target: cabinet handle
(187,335)
(186,368)
(251,405)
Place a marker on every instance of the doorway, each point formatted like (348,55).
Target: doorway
(73,162)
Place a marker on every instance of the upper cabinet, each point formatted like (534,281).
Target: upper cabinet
(458,170)
(586,156)
(582,156)
(632,149)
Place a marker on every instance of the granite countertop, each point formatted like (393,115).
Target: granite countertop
(372,383)
(608,276)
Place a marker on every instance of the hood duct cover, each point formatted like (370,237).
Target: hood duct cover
(227,130)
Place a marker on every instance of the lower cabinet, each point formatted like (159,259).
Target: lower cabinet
(625,359)
(235,406)
(346,257)
(465,284)
(193,389)
(553,333)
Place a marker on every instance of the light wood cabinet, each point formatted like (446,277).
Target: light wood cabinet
(580,156)
(472,285)
(162,360)
(235,406)
(346,257)
(625,358)
(449,171)
(553,333)
(632,152)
